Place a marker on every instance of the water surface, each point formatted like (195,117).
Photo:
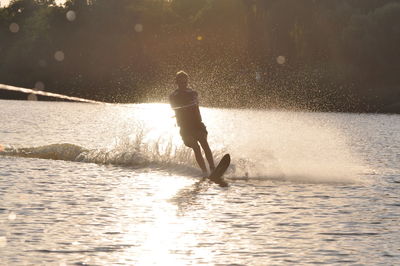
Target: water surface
(84,184)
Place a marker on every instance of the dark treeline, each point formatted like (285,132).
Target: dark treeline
(341,55)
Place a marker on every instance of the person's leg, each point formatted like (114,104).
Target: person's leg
(199,158)
(190,141)
(204,144)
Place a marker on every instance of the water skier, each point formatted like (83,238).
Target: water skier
(184,101)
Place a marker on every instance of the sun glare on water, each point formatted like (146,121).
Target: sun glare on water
(154,222)
(156,121)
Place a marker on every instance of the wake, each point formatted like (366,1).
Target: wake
(174,160)
(127,156)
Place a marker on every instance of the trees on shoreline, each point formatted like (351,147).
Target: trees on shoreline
(321,55)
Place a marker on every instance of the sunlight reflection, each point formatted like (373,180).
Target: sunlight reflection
(165,237)
(3,241)
(12,216)
(157,123)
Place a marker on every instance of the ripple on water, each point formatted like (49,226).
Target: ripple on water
(58,212)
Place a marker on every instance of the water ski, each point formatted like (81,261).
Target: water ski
(216,175)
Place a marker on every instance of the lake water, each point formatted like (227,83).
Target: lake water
(85,184)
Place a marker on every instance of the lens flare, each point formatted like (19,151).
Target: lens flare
(258,76)
(39,85)
(14,27)
(281,60)
(138,27)
(32,97)
(71,15)
(42,63)
(59,56)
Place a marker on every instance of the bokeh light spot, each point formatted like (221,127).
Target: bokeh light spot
(71,15)
(42,63)
(39,85)
(59,56)
(138,27)
(14,27)
(281,60)
(199,38)
(32,97)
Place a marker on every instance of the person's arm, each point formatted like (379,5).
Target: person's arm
(193,101)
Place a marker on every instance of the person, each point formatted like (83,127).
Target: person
(184,101)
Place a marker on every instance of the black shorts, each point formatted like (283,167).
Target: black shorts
(191,136)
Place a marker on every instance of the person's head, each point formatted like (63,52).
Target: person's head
(182,79)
